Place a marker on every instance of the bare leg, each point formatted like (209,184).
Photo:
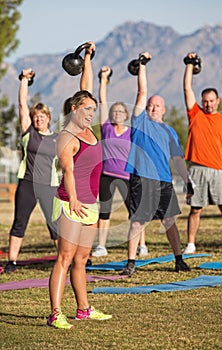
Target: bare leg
(133,238)
(78,277)
(172,235)
(103,231)
(78,271)
(57,281)
(193,223)
(142,238)
(14,247)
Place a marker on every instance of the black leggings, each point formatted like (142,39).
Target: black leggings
(26,197)
(108,186)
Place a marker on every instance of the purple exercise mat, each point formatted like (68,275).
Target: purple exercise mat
(44,282)
(41,260)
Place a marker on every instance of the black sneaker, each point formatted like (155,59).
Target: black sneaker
(129,269)
(181,266)
(89,262)
(10,267)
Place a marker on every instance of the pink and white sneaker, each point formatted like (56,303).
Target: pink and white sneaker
(91,314)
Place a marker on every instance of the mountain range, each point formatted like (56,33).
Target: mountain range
(119,47)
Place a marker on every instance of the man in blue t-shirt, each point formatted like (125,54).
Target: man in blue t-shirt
(152,196)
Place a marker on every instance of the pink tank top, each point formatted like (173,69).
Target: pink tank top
(87,171)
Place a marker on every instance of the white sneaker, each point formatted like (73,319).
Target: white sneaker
(142,250)
(99,251)
(190,249)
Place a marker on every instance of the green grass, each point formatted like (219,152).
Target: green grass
(169,321)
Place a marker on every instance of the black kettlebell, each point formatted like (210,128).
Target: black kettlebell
(30,80)
(195,61)
(133,66)
(73,63)
(108,77)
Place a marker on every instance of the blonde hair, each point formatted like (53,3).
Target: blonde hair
(39,107)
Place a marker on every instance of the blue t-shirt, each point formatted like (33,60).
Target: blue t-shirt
(152,146)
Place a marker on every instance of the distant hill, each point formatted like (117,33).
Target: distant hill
(124,43)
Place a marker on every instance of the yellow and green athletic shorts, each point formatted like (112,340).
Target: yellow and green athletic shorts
(60,206)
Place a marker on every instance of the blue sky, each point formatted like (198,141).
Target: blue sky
(53,26)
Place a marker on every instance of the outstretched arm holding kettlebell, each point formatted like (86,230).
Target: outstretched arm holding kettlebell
(141,99)
(103,107)
(189,95)
(86,80)
(25,76)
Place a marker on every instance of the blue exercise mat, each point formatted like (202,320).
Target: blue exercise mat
(198,282)
(211,265)
(119,265)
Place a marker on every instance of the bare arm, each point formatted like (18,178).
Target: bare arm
(189,95)
(141,98)
(25,120)
(103,107)
(86,80)
(181,168)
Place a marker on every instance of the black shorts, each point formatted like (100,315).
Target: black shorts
(151,199)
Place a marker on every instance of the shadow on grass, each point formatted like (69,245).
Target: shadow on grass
(21,320)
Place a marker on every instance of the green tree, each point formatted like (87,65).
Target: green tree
(220,106)
(10,131)
(9,18)
(177,120)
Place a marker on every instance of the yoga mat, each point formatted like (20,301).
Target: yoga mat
(116,266)
(3,254)
(198,282)
(44,282)
(37,260)
(211,265)
(31,261)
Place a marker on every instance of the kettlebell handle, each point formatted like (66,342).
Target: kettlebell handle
(30,80)
(195,61)
(143,60)
(73,62)
(80,48)
(133,66)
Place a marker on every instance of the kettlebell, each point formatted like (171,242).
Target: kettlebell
(108,77)
(133,66)
(30,80)
(73,63)
(195,61)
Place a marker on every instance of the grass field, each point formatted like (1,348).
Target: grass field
(161,321)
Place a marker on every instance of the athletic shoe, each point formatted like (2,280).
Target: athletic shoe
(190,249)
(181,266)
(91,314)
(58,320)
(10,267)
(129,269)
(142,250)
(99,251)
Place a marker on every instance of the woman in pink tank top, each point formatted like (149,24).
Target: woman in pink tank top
(75,208)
